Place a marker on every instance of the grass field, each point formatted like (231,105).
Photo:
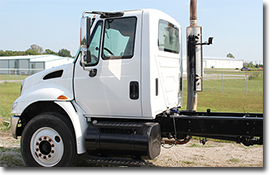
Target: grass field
(237,96)
(12,77)
(8,94)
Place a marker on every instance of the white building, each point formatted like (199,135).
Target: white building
(217,62)
(30,64)
(211,62)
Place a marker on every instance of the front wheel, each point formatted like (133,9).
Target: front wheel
(48,141)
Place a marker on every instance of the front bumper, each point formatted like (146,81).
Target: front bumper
(14,121)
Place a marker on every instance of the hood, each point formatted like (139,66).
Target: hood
(63,71)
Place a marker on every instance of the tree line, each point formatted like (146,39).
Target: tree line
(252,65)
(247,64)
(36,50)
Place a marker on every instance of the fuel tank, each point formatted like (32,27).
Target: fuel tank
(123,139)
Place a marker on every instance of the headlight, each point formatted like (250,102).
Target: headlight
(13,106)
(22,87)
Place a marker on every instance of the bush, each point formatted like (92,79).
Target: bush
(255,76)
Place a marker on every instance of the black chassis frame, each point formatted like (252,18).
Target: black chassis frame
(246,128)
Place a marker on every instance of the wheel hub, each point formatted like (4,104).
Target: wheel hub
(44,147)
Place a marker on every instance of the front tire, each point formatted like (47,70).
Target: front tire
(48,140)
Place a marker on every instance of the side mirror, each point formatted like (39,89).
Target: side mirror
(85,40)
(85,32)
(210,40)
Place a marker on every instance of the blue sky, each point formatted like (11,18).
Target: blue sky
(236,25)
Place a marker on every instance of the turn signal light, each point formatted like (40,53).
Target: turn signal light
(62,97)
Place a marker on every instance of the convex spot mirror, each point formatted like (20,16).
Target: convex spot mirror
(210,40)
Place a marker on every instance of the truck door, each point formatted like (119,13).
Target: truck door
(110,85)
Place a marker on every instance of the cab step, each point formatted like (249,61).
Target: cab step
(120,125)
(119,162)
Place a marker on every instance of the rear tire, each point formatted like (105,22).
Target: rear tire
(48,140)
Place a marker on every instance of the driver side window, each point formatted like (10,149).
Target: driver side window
(119,35)
(95,44)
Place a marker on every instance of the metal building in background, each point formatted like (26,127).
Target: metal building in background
(30,64)
(217,62)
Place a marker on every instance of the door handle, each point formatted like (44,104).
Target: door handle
(93,72)
(134,90)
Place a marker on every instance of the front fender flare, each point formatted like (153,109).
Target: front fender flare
(78,121)
(49,93)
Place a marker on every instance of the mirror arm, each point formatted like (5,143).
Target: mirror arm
(89,12)
(210,39)
(202,43)
(82,59)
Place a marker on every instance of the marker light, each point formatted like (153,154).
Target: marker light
(62,97)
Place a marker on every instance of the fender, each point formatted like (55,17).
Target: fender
(40,92)
(76,116)
(79,123)
(51,93)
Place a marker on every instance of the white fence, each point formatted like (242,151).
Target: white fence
(16,75)
(12,71)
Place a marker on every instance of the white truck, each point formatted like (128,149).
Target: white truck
(120,97)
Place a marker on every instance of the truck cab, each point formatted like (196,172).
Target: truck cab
(133,71)
(129,70)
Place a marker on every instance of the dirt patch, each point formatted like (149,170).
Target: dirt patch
(192,154)
(212,154)
(10,153)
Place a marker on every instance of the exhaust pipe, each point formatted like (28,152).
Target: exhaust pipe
(193,12)
(176,141)
(194,59)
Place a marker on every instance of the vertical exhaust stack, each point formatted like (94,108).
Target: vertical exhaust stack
(194,58)
(193,12)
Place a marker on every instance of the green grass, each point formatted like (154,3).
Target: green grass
(11,157)
(8,94)
(12,77)
(232,99)
(234,160)
(253,87)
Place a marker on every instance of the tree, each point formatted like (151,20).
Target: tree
(250,64)
(2,53)
(12,53)
(31,52)
(36,48)
(229,55)
(48,51)
(64,53)
(8,53)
